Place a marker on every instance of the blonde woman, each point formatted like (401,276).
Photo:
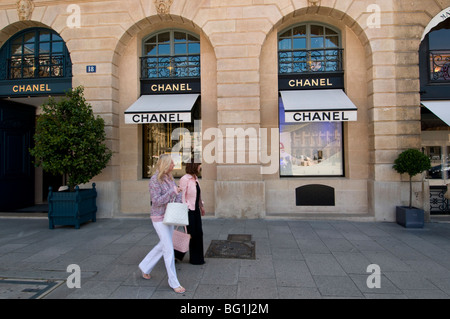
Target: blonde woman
(162,191)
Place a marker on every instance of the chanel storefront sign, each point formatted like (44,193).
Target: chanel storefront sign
(178,87)
(322,82)
(152,118)
(320,116)
(161,108)
(311,81)
(328,105)
(170,86)
(34,87)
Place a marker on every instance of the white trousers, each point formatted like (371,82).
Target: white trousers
(163,249)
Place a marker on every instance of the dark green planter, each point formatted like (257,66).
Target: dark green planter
(72,208)
(410,217)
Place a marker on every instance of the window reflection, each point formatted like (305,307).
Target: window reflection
(35,54)
(310,149)
(171,54)
(309,48)
(439,52)
(440,163)
(158,141)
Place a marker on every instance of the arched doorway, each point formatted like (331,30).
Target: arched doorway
(16,167)
(318,59)
(34,64)
(434,66)
(168,60)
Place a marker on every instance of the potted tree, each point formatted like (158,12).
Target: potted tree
(411,162)
(70,141)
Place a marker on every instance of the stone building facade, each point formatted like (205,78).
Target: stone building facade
(333,88)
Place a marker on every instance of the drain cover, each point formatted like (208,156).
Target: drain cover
(237,246)
(26,288)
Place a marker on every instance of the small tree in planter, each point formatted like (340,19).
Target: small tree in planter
(411,162)
(70,141)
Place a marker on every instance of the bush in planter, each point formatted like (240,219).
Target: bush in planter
(411,162)
(70,141)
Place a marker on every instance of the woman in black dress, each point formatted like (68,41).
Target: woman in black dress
(192,196)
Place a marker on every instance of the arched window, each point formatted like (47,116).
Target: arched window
(172,53)
(309,47)
(434,66)
(313,146)
(35,53)
(439,48)
(170,59)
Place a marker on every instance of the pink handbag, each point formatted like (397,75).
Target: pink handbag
(181,240)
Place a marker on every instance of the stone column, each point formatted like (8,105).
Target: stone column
(239,188)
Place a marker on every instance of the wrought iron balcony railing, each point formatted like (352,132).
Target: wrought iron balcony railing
(170,67)
(440,65)
(310,61)
(42,66)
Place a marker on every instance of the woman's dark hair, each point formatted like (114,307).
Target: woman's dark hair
(192,168)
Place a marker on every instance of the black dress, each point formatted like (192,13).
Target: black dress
(196,256)
(195,229)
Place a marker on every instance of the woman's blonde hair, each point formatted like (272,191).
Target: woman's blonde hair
(163,165)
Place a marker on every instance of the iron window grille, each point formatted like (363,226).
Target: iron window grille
(171,54)
(440,66)
(310,61)
(170,67)
(309,48)
(35,53)
(41,67)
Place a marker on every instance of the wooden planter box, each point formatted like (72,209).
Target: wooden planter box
(72,208)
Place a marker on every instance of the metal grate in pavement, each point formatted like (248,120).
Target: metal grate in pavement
(26,288)
(238,246)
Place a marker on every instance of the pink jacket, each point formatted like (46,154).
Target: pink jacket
(189,190)
(162,193)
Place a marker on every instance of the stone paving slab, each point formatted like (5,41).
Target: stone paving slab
(26,288)
(293,259)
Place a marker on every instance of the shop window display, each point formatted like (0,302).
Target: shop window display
(440,164)
(311,149)
(158,139)
(170,55)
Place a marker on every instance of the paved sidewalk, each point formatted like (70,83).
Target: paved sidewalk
(294,259)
